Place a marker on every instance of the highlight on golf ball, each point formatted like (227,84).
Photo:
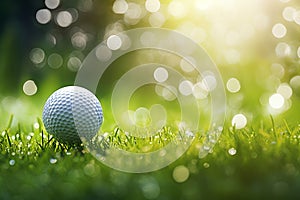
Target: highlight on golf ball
(72,114)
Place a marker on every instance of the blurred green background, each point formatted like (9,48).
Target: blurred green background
(254,42)
(255,45)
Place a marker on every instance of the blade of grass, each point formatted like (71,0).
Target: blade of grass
(7,129)
(273,127)
(287,127)
(10,121)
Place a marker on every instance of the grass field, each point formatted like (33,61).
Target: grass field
(259,162)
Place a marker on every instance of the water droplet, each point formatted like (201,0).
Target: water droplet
(189,133)
(206,148)
(206,165)
(36,125)
(232,151)
(12,162)
(53,160)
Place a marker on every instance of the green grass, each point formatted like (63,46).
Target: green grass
(266,165)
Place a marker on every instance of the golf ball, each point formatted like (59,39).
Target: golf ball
(72,113)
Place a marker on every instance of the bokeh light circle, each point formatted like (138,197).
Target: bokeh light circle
(152,5)
(43,16)
(144,121)
(55,60)
(37,55)
(276,101)
(29,88)
(279,30)
(120,7)
(239,121)
(181,174)
(52,4)
(233,85)
(64,19)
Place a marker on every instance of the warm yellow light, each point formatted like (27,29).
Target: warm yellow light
(177,9)
(152,5)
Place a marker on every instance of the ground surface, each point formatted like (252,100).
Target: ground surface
(257,162)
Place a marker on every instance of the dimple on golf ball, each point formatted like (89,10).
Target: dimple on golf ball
(72,113)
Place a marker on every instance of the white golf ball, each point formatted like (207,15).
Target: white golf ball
(72,113)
